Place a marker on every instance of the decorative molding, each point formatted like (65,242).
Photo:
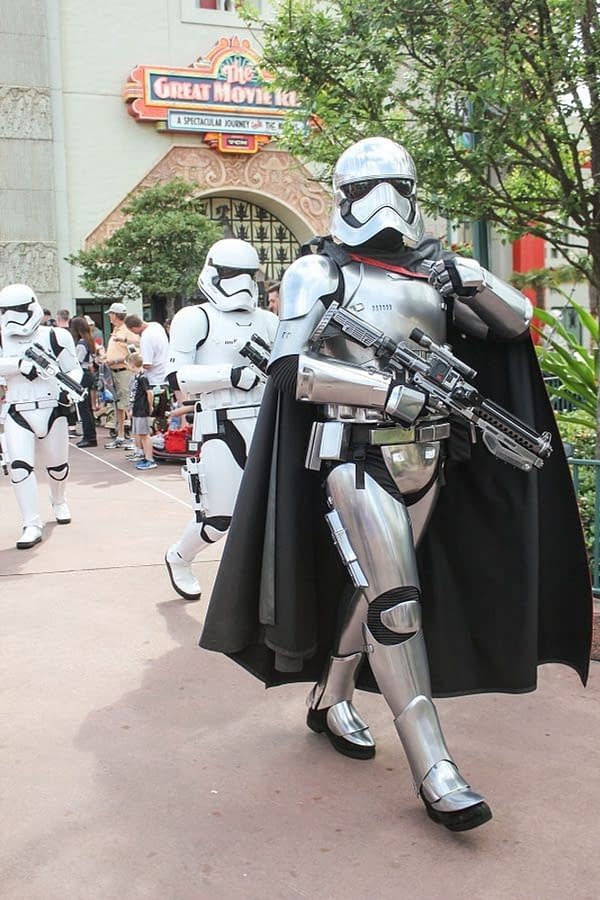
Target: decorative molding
(30,262)
(269,174)
(25,113)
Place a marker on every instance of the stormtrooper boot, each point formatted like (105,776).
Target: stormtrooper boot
(402,673)
(26,494)
(32,535)
(180,572)
(331,712)
(62,513)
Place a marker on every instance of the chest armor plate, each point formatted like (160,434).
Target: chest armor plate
(393,303)
(227,332)
(21,388)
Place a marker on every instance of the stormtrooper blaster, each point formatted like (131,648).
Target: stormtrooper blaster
(47,367)
(442,378)
(257,352)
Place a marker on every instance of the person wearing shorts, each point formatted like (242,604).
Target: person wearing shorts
(141,408)
(120,340)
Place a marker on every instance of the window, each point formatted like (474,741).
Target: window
(219,12)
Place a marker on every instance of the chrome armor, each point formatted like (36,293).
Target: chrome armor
(375,188)
(375,532)
(205,342)
(360,409)
(35,424)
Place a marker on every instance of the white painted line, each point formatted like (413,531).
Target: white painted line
(134,477)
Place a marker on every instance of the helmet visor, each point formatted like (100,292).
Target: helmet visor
(356,190)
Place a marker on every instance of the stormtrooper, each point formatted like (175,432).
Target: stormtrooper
(36,407)
(205,343)
(407,572)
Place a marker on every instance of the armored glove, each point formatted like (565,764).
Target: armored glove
(404,403)
(457,277)
(27,368)
(243,378)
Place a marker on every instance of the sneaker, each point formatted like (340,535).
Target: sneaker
(146,464)
(135,454)
(116,444)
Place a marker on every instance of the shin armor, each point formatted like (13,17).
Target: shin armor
(375,532)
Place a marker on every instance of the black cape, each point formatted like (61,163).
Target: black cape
(504,573)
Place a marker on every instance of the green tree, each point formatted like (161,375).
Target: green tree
(158,251)
(497,100)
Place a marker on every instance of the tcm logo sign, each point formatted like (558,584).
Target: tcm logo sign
(226,93)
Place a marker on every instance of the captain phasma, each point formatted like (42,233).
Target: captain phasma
(205,341)
(333,418)
(35,415)
(376,524)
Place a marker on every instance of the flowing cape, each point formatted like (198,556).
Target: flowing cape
(505,582)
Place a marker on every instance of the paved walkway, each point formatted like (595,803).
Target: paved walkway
(135,766)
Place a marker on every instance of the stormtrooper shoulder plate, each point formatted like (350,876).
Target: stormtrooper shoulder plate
(188,329)
(305,288)
(308,279)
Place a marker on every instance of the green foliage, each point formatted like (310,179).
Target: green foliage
(575,366)
(497,101)
(582,441)
(576,369)
(158,251)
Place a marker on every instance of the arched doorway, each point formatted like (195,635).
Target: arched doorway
(269,198)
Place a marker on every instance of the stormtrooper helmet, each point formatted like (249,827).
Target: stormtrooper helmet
(20,312)
(228,278)
(375,189)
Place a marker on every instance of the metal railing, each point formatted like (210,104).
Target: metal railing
(578,469)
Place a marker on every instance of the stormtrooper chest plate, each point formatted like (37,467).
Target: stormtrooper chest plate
(391,302)
(227,332)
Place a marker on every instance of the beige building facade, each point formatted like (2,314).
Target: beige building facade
(72,149)
(74,144)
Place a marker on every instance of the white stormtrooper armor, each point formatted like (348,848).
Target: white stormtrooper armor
(361,406)
(35,416)
(205,343)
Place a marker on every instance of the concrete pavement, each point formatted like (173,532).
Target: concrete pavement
(135,766)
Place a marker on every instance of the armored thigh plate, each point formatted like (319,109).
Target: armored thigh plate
(375,531)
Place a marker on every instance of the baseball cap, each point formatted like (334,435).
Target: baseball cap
(89,320)
(119,308)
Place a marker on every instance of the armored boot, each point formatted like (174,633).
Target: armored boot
(331,712)
(399,662)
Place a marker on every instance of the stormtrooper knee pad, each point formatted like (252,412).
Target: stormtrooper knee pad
(20,471)
(213,528)
(58,473)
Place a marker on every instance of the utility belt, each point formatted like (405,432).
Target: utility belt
(337,440)
(28,405)
(210,422)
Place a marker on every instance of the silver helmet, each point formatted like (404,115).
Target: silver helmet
(20,312)
(228,278)
(375,189)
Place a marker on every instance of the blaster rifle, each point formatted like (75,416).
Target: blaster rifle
(442,378)
(257,351)
(47,367)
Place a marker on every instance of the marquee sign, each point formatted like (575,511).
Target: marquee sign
(226,96)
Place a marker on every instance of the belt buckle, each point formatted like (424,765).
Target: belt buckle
(380,437)
(426,433)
